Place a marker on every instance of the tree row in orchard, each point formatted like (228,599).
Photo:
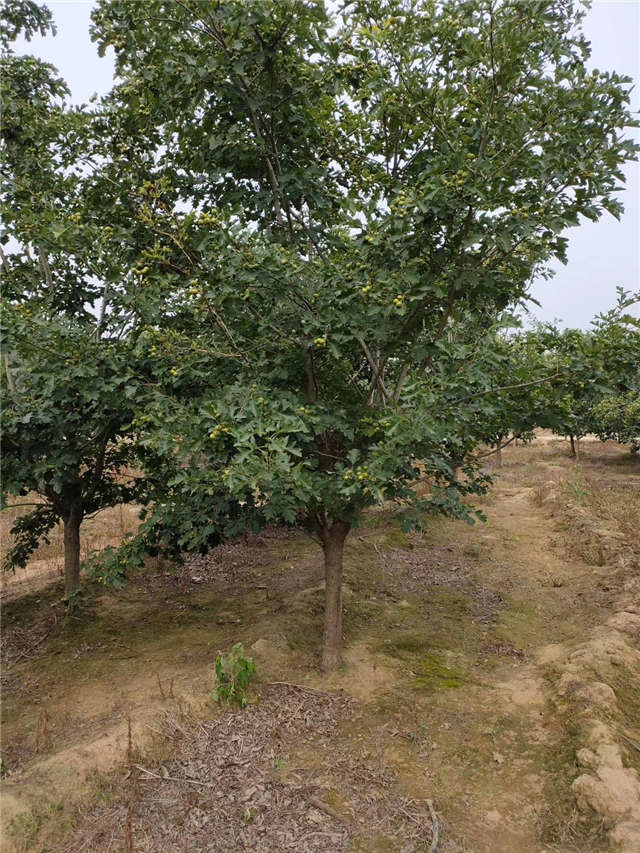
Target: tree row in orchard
(269,277)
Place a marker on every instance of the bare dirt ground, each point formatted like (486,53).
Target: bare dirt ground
(491,671)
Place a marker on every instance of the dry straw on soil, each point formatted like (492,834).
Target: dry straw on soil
(243,781)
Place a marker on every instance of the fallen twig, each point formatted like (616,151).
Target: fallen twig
(171,778)
(300,687)
(160,686)
(327,809)
(435,827)
(30,651)
(628,740)
(313,835)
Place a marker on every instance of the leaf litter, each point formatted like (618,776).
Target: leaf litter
(281,775)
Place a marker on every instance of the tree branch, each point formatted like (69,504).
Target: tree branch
(376,371)
(507,388)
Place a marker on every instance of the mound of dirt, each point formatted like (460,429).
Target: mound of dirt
(597,687)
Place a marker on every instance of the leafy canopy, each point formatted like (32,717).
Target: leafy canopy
(333,198)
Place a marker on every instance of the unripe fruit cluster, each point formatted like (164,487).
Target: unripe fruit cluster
(207,219)
(221,429)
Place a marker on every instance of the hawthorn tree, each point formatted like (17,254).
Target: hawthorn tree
(590,367)
(332,193)
(578,364)
(618,335)
(70,382)
(63,437)
(617,416)
(78,366)
(526,378)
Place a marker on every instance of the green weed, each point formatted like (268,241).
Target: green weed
(233,674)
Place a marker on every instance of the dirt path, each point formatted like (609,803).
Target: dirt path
(523,722)
(490,667)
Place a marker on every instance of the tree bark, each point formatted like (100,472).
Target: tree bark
(10,380)
(333,547)
(573,447)
(72,522)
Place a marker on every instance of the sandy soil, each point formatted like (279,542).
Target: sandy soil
(490,670)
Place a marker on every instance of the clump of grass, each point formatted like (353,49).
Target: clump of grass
(563,826)
(603,519)
(618,505)
(396,539)
(41,828)
(541,492)
(577,487)
(560,824)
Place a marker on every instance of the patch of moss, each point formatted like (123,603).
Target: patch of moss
(520,624)
(359,614)
(432,675)
(29,608)
(559,822)
(377,517)
(429,671)
(443,620)
(406,644)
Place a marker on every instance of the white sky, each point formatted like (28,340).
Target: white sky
(602,255)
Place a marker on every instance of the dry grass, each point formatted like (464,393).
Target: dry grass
(107,527)
(600,517)
(616,505)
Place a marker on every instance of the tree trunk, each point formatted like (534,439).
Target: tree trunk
(573,447)
(10,380)
(72,523)
(333,546)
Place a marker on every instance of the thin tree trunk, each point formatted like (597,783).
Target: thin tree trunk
(573,447)
(72,524)
(10,380)
(333,546)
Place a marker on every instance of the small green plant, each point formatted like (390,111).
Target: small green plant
(233,673)
(577,487)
